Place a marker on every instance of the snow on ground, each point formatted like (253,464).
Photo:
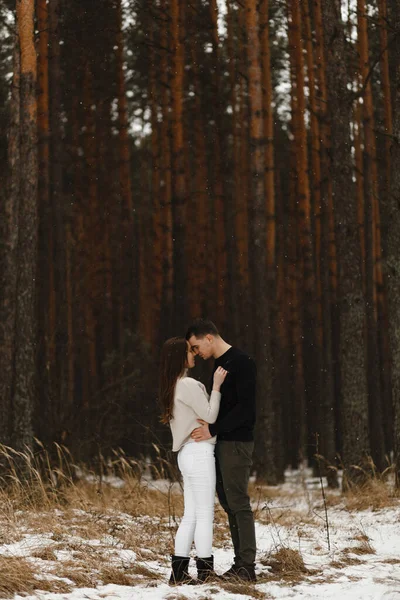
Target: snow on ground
(362,561)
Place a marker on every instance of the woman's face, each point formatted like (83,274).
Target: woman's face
(189,357)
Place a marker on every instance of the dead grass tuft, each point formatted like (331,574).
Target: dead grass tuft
(18,577)
(143,571)
(52,585)
(363,548)
(345,562)
(80,578)
(246,589)
(286,564)
(44,554)
(392,561)
(374,494)
(286,561)
(115,575)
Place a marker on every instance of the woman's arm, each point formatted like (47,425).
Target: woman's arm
(194,395)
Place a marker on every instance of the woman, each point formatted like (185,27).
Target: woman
(183,401)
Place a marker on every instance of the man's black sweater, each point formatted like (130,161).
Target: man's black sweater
(237,413)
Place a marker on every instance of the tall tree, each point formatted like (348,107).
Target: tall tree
(218,175)
(166,170)
(46,229)
(58,211)
(240,162)
(328,422)
(354,400)
(179,196)
(392,218)
(372,232)
(125,186)
(25,326)
(267,467)
(312,350)
(9,247)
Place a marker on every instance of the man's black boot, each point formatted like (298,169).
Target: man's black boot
(179,574)
(240,572)
(205,569)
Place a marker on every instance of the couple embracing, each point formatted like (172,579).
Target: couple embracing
(213,437)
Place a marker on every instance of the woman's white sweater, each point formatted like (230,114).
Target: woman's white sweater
(191,402)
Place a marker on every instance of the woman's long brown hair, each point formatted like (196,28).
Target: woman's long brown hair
(172,365)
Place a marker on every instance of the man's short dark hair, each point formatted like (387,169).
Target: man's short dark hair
(201,327)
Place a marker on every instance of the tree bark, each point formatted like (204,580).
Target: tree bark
(392,265)
(126,270)
(266,465)
(178,166)
(351,304)
(25,326)
(218,175)
(328,417)
(312,351)
(9,226)
(372,246)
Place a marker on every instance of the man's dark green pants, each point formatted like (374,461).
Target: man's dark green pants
(233,464)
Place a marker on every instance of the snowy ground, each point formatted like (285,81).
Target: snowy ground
(77,551)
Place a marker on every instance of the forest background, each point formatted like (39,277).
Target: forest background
(168,159)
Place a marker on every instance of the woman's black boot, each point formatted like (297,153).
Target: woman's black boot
(180,574)
(205,569)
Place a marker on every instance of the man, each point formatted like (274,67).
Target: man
(235,440)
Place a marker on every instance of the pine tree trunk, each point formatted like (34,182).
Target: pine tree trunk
(238,255)
(90,372)
(218,175)
(327,447)
(243,316)
(297,404)
(383,325)
(157,252)
(9,225)
(265,463)
(58,213)
(351,305)
(126,284)
(269,189)
(166,176)
(25,326)
(392,218)
(312,352)
(178,166)
(200,197)
(46,283)
(371,233)
(385,83)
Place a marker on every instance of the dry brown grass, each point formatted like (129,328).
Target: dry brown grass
(391,561)
(78,577)
(345,561)
(247,589)
(44,554)
(375,494)
(286,564)
(114,575)
(362,548)
(75,513)
(17,576)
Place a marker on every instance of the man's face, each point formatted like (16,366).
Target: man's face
(203,346)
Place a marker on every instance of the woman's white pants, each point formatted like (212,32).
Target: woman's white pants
(197,464)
